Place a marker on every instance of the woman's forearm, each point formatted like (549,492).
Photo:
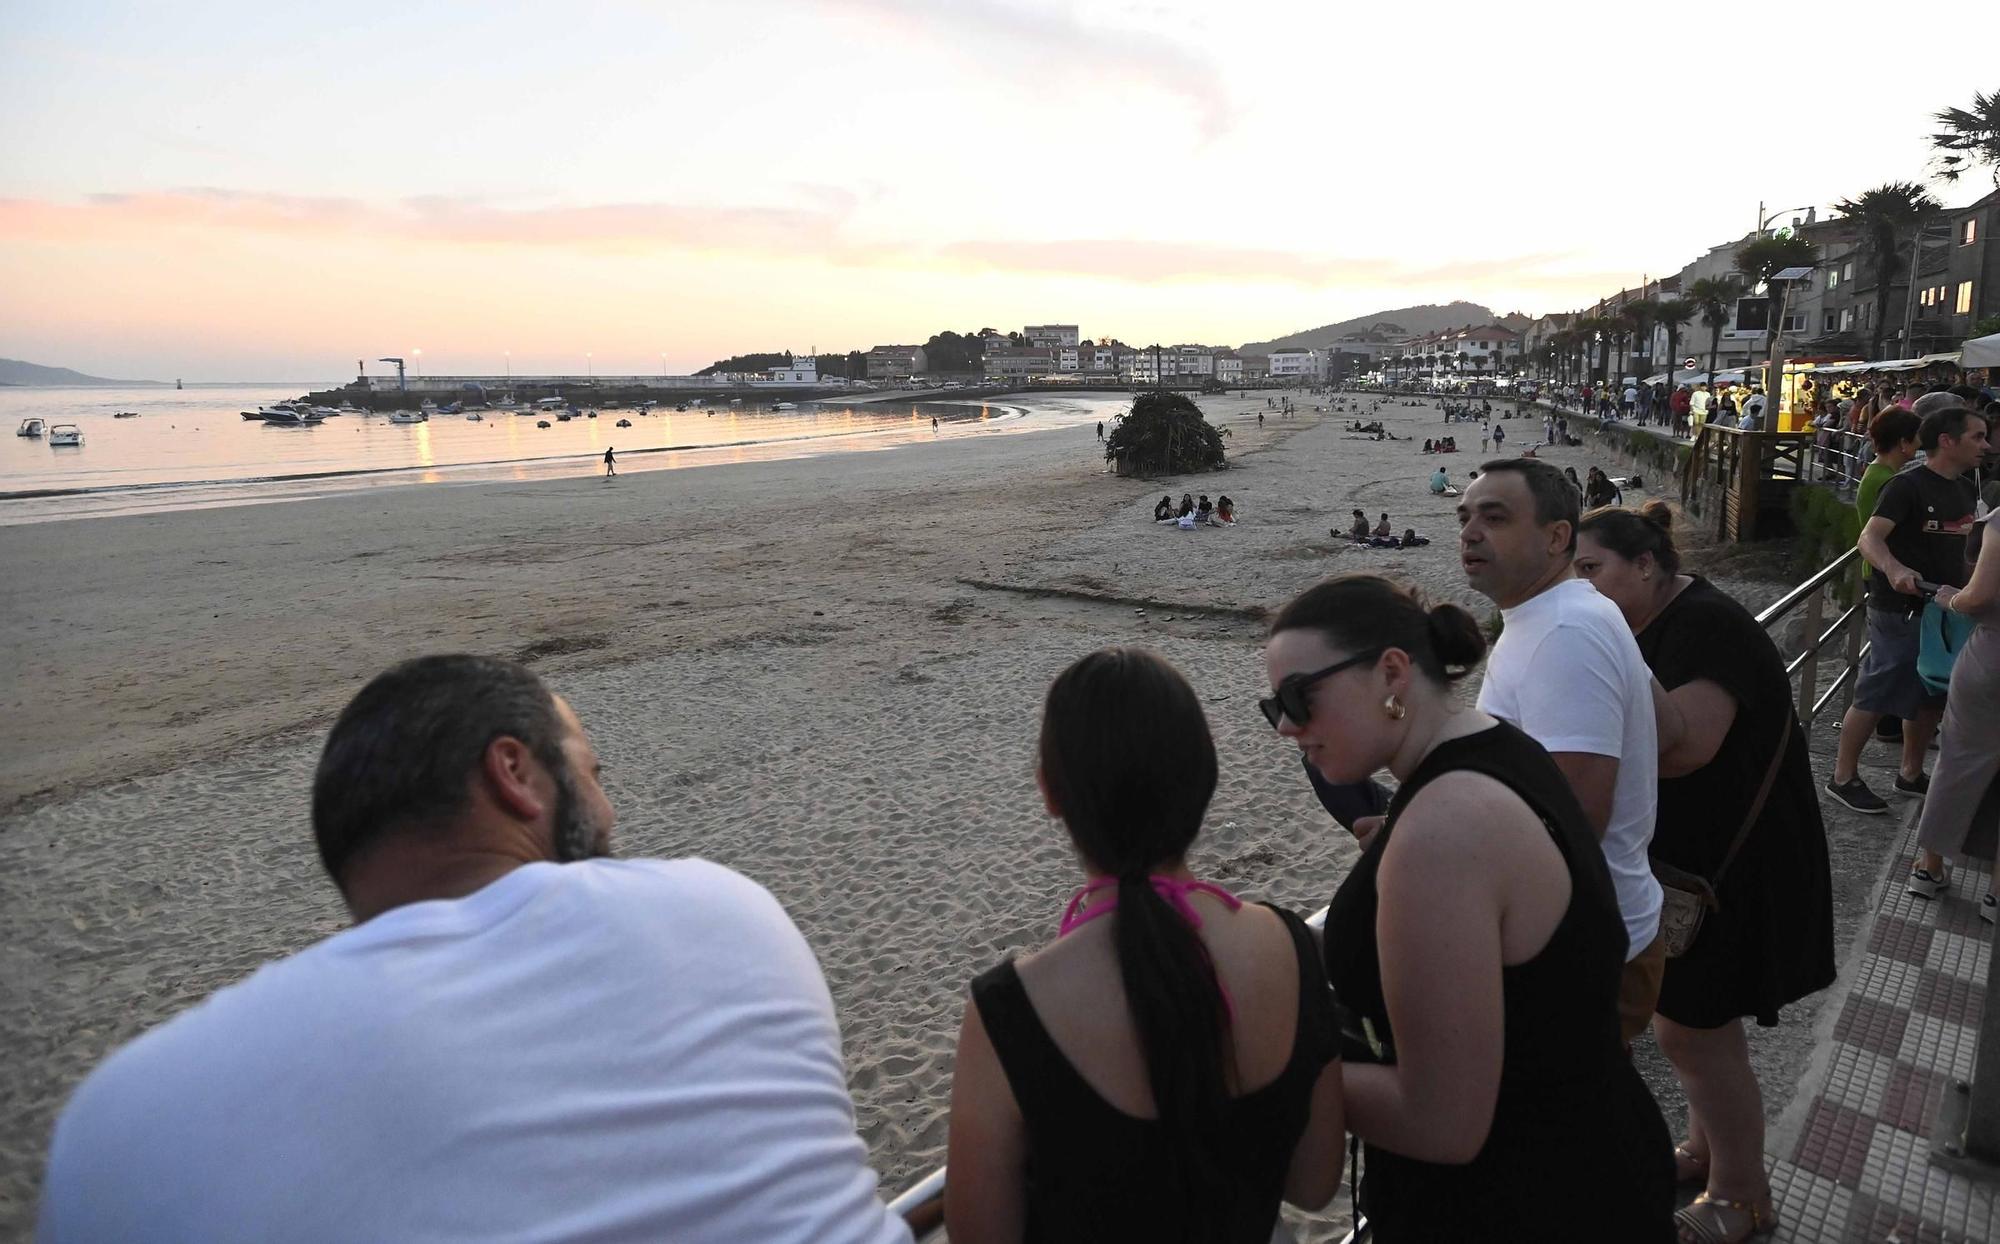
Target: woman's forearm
(1381,1113)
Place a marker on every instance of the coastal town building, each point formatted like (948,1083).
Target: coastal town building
(895,362)
(1229,367)
(1052,335)
(1019,362)
(803,369)
(1293,363)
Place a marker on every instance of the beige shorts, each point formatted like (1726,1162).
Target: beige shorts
(1639,989)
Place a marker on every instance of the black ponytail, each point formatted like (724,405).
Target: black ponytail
(1127,757)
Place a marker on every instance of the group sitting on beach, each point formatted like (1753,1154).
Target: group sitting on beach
(1442,445)
(1192,513)
(522,1037)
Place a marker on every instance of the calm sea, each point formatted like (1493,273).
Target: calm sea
(191,448)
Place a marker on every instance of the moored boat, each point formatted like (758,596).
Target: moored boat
(31,427)
(65,434)
(408,416)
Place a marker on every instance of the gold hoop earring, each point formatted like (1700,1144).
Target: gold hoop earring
(1394,707)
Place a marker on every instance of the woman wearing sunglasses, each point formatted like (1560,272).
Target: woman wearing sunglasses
(1160,1071)
(1477,944)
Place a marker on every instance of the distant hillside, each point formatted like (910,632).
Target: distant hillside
(14,371)
(1425,319)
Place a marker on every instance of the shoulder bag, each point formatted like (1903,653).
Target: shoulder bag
(1686,898)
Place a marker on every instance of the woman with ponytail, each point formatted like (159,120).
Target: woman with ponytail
(1162,1070)
(1477,944)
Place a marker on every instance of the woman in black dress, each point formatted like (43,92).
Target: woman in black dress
(1728,713)
(1477,942)
(1165,1069)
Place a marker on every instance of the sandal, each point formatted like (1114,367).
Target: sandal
(1702,1222)
(1689,1169)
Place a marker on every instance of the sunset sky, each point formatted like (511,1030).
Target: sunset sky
(256,191)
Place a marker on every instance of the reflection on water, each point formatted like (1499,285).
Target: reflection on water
(192,449)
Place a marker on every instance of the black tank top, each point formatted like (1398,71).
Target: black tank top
(1577,1149)
(1097,1174)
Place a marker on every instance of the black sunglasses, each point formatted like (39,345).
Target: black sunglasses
(1290,697)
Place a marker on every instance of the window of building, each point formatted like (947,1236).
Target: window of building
(1847,271)
(1847,319)
(1795,323)
(1831,322)
(1924,299)
(1964,306)
(1968,233)
(1833,279)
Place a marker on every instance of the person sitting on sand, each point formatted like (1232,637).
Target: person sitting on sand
(1167,1067)
(1359,529)
(1441,484)
(1411,540)
(1382,528)
(1225,509)
(519,1037)
(1429,448)
(1165,509)
(1203,510)
(1187,505)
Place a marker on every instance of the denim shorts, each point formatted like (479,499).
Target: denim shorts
(1888,681)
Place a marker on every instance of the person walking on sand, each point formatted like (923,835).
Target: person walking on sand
(517,1037)
(1100,429)
(934,426)
(610,462)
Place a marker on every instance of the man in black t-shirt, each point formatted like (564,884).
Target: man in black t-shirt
(1917,535)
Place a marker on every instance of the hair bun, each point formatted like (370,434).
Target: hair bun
(1456,638)
(1658,513)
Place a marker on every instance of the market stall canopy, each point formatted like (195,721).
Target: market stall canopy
(1981,352)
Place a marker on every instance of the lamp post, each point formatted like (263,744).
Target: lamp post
(418,355)
(1763,220)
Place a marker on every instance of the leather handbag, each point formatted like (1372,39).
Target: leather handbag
(1686,898)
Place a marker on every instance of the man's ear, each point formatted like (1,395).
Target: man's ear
(514,779)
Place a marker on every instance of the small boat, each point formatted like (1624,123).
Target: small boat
(288,414)
(347,408)
(31,427)
(126,414)
(473,416)
(541,423)
(624,423)
(408,416)
(785,406)
(325,412)
(428,407)
(65,434)
(681,406)
(564,417)
(590,414)
(551,403)
(505,403)
(450,408)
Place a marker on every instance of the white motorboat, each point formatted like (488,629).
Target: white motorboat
(551,403)
(785,406)
(505,403)
(325,412)
(31,427)
(289,414)
(473,416)
(347,408)
(65,434)
(428,407)
(409,416)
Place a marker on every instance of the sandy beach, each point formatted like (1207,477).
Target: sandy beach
(825,673)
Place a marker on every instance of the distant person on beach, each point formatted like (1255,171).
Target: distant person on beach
(1441,484)
(519,1037)
(1225,509)
(1100,429)
(1382,527)
(934,427)
(1476,944)
(1166,1068)
(1359,528)
(1164,511)
(610,462)
(1187,505)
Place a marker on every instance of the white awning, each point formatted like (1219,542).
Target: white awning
(1981,352)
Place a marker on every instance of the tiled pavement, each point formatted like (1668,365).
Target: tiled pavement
(1853,1166)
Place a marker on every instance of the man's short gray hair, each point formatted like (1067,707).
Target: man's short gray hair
(1931,403)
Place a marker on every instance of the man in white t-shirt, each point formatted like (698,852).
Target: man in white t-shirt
(1568,673)
(519,1039)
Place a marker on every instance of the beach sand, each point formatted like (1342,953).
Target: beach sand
(825,673)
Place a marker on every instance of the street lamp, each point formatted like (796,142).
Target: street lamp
(1764,220)
(418,355)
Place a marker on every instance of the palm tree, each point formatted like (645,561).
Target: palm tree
(1713,297)
(1970,138)
(1595,330)
(1887,214)
(1644,314)
(1673,314)
(1760,261)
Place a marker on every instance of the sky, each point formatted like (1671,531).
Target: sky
(241,191)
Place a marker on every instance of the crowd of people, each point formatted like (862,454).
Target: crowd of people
(523,1036)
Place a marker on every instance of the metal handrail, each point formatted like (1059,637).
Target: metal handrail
(921,1205)
(1791,600)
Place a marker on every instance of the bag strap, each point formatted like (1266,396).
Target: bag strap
(1763,793)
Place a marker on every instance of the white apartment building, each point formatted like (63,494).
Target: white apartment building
(1229,367)
(1295,363)
(1019,362)
(1052,335)
(803,369)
